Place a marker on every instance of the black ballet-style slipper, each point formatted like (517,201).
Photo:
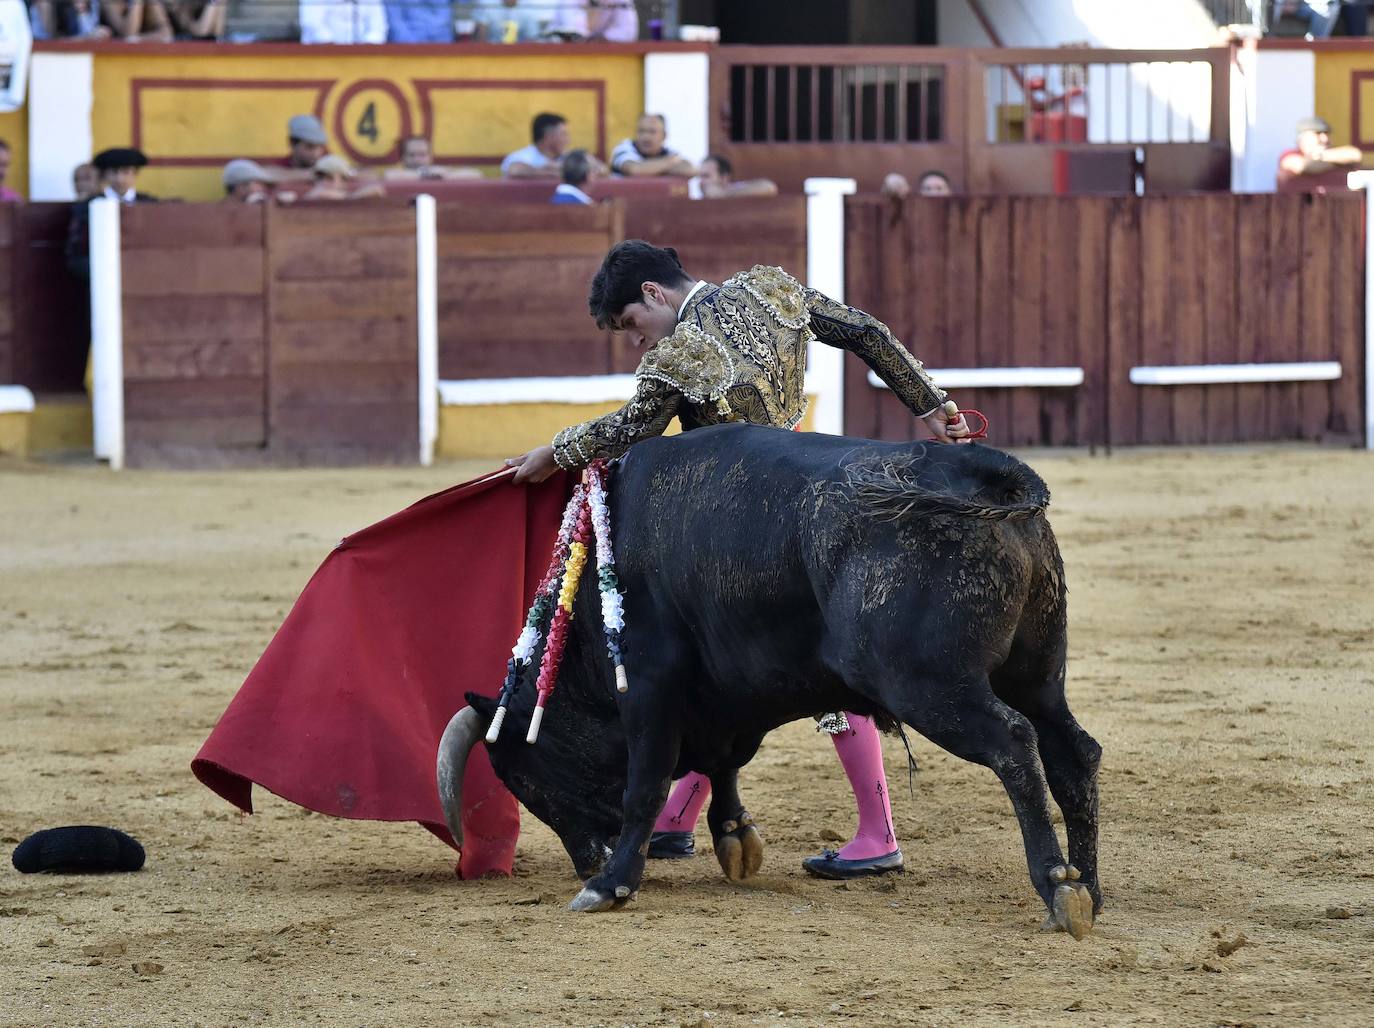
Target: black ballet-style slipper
(829,864)
(78,848)
(672,845)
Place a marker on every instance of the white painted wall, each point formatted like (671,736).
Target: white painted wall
(1276,89)
(60,97)
(1122,24)
(677,87)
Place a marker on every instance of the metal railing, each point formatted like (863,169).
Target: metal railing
(837,103)
(1096,102)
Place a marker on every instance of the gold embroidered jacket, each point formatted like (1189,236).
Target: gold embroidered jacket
(739,354)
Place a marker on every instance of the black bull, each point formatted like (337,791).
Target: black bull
(770,576)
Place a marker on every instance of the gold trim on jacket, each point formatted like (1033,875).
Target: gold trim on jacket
(739,354)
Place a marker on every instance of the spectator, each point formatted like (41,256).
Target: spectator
(647,154)
(246,181)
(329,21)
(895,186)
(934,183)
(419,21)
(118,168)
(199,19)
(307,141)
(1321,16)
(85,181)
(7,195)
(70,19)
(334,181)
(1315,165)
(515,21)
(612,21)
(577,170)
(716,182)
(136,21)
(931,183)
(118,171)
(417,161)
(541,158)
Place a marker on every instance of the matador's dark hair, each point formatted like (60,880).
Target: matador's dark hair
(626,268)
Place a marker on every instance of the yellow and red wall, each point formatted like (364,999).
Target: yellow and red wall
(193,107)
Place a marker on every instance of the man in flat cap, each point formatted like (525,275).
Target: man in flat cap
(246,181)
(1315,165)
(308,144)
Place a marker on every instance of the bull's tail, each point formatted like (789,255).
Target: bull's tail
(894,486)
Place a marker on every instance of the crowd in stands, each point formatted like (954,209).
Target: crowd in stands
(307,171)
(339,21)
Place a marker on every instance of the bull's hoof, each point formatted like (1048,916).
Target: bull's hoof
(739,849)
(590,901)
(1071,910)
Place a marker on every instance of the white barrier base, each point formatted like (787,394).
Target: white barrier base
(1221,374)
(997,378)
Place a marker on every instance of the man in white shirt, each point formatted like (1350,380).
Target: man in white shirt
(647,154)
(542,157)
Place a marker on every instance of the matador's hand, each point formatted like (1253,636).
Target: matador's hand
(947,431)
(534,466)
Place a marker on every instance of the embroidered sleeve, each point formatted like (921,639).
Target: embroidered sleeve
(868,338)
(653,405)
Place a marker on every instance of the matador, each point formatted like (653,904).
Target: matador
(737,352)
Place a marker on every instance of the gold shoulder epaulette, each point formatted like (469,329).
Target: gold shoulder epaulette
(779,293)
(692,362)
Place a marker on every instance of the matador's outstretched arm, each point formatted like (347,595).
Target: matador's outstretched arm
(653,405)
(849,328)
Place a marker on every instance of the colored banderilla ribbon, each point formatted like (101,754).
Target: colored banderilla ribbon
(585,518)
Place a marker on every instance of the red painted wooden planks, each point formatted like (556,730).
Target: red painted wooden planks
(1347,320)
(342,378)
(1122,284)
(1222,290)
(1191,261)
(1252,333)
(1031,265)
(1316,314)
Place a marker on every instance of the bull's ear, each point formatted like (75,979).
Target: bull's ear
(484,705)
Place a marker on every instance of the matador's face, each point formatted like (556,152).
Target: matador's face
(649,319)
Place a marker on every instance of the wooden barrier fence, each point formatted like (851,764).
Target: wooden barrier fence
(44,320)
(256,334)
(1108,284)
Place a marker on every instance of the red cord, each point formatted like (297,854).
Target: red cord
(982,430)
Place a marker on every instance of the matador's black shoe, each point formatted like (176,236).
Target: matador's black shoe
(672,845)
(829,864)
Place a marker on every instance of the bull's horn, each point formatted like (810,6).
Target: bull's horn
(462,733)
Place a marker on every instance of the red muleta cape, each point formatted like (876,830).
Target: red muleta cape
(343,712)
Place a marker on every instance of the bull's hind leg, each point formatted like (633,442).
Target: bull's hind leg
(966,718)
(1070,757)
(739,849)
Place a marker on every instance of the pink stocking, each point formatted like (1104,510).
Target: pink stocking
(684,805)
(861,753)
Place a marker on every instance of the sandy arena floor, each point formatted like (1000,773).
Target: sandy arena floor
(1222,652)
